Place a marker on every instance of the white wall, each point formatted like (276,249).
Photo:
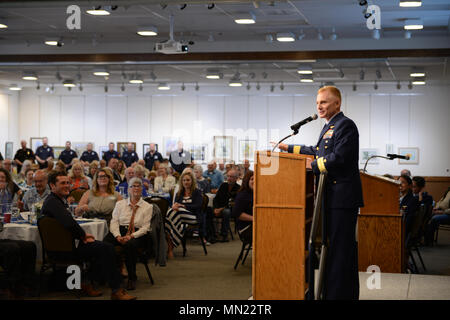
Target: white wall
(9,119)
(405,118)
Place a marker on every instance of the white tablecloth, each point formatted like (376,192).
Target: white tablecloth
(14,231)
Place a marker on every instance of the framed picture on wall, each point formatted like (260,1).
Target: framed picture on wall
(413,155)
(146,148)
(57,151)
(80,147)
(102,150)
(223,148)
(366,153)
(170,144)
(247,150)
(35,143)
(122,146)
(9,150)
(198,152)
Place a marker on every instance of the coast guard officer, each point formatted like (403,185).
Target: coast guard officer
(336,153)
(111,153)
(129,156)
(67,155)
(89,155)
(44,153)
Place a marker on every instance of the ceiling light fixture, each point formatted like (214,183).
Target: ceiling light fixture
(210,6)
(419,81)
(399,86)
(80,87)
(361,74)
(197,87)
(416,72)
(258,86)
(413,24)
(362,2)
(135,79)
(14,87)
(163,86)
(285,37)
(378,74)
(68,83)
(122,87)
(354,87)
(248,86)
(106,87)
(101,72)
(333,35)
(3,26)
(29,76)
(141,87)
(410,85)
(375,86)
(147,31)
(282,86)
(304,69)
(183,87)
(38,86)
(341,73)
(410,3)
(213,74)
(306,78)
(245,18)
(52,42)
(183,6)
(153,76)
(272,87)
(98,11)
(235,82)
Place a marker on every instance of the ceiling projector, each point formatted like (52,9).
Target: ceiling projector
(171,47)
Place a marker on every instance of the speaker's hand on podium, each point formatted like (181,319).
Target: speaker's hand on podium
(281,146)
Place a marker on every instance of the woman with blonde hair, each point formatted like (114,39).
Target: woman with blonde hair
(99,202)
(22,174)
(77,177)
(187,209)
(121,166)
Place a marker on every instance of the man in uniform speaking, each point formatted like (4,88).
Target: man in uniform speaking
(336,153)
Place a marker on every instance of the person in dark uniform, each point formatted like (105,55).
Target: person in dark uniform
(89,155)
(180,158)
(67,155)
(44,153)
(408,202)
(151,156)
(336,153)
(23,154)
(129,156)
(111,153)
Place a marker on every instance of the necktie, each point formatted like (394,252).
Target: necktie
(131,226)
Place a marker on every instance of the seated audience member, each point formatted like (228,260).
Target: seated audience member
(408,203)
(405,172)
(129,227)
(103,164)
(99,202)
(418,187)
(139,172)
(164,182)
(23,154)
(113,164)
(441,215)
(37,194)
(89,155)
(129,174)
(246,167)
(151,157)
(243,208)
(221,168)
(180,158)
(239,169)
(141,162)
(18,259)
(121,166)
(60,166)
(151,177)
(228,167)
(215,176)
(77,178)
(129,156)
(27,184)
(223,202)
(187,209)
(111,153)
(202,184)
(67,155)
(102,254)
(9,191)
(7,165)
(21,177)
(44,153)
(50,166)
(93,167)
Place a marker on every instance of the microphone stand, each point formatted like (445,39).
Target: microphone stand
(375,157)
(292,134)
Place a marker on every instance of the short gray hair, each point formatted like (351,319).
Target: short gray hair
(132,182)
(198,167)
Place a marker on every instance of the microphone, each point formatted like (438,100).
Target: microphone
(296,126)
(399,156)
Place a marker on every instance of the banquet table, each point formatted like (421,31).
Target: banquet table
(23,230)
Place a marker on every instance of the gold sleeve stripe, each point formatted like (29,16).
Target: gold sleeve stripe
(297,149)
(321,164)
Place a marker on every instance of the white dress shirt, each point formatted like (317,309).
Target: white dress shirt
(122,213)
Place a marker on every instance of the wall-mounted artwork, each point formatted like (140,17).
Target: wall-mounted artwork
(170,144)
(123,146)
(365,153)
(80,147)
(413,155)
(57,151)
(198,153)
(247,150)
(223,148)
(35,143)
(8,150)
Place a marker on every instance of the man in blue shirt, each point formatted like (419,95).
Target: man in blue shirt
(129,174)
(67,155)
(151,156)
(215,175)
(111,153)
(89,155)
(129,156)
(44,153)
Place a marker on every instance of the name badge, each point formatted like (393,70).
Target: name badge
(155,157)
(328,134)
(182,155)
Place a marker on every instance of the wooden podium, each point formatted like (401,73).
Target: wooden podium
(282,216)
(380,226)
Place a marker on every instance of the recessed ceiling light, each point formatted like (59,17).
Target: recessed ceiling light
(213,74)
(410,3)
(245,18)
(304,69)
(147,31)
(98,12)
(101,72)
(306,78)
(285,37)
(68,83)
(163,86)
(413,24)
(415,73)
(51,42)
(14,87)
(135,79)
(235,83)
(419,81)
(3,26)
(29,76)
